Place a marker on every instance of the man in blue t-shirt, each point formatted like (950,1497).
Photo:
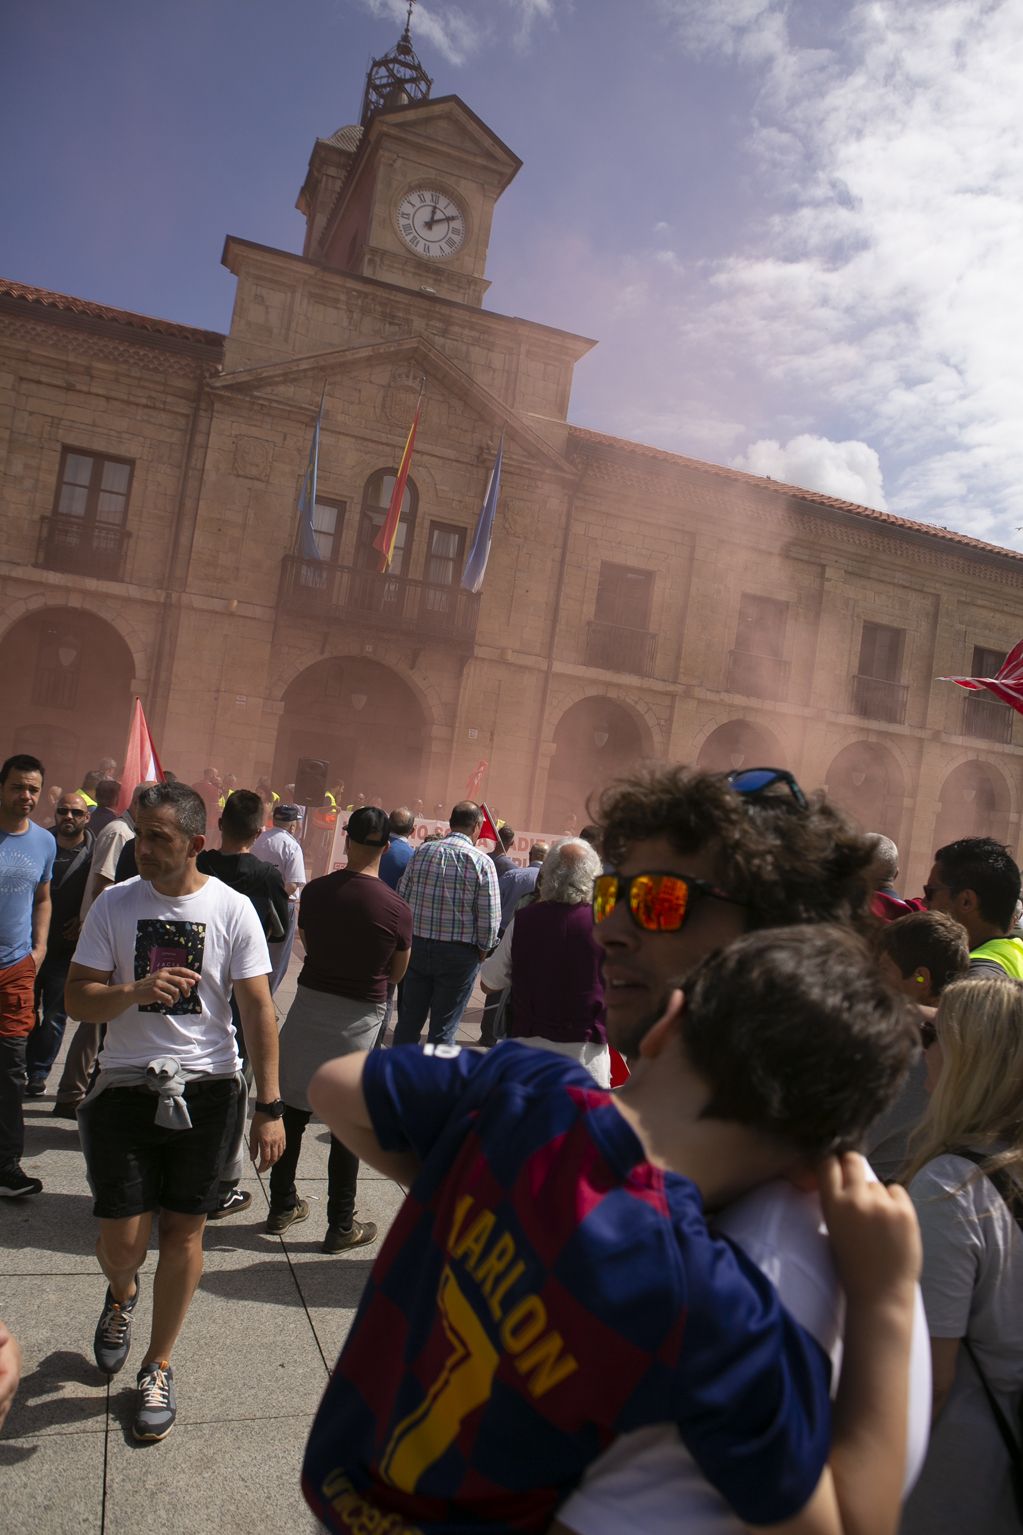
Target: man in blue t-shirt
(26,863)
(549,1284)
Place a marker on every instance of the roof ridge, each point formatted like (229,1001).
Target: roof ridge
(817,498)
(70,304)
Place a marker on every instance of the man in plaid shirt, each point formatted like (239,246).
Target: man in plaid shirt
(456,910)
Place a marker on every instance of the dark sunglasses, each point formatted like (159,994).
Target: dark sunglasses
(758,780)
(658,903)
(79,815)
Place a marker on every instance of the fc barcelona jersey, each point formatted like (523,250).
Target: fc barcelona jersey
(543,1289)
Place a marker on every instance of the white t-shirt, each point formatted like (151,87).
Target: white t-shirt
(132,930)
(646,1481)
(280,848)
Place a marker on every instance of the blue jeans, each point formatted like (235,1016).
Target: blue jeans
(46,1038)
(438,982)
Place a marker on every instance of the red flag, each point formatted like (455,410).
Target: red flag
(384,540)
(472,788)
(488,831)
(140,759)
(1006,684)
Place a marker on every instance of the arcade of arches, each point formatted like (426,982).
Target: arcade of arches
(594,741)
(867,783)
(363,720)
(68,678)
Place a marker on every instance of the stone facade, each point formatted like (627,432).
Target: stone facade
(636,604)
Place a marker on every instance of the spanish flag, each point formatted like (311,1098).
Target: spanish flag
(384,540)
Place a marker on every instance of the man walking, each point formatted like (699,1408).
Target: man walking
(279,845)
(456,907)
(356,933)
(26,864)
(107,850)
(156,962)
(70,873)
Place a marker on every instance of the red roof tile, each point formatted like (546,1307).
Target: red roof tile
(583,434)
(81,306)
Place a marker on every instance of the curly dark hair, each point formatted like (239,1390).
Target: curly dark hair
(784,863)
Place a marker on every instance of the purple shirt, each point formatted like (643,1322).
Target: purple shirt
(557,986)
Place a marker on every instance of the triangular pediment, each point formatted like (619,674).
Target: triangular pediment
(296,384)
(452,126)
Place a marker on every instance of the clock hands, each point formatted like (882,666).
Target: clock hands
(436,216)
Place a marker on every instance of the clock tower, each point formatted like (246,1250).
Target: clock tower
(407,194)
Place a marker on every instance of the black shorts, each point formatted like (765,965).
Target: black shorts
(135,1165)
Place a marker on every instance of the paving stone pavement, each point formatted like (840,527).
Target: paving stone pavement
(262,1333)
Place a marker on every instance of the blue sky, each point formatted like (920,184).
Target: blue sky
(794,226)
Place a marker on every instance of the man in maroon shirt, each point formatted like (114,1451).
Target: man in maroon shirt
(357,934)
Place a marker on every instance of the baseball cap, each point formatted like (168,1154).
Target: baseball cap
(369,826)
(287,813)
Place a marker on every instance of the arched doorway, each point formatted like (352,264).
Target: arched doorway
(974,802)
(867,783)
(362,719)
(594,741)
(740,744)
(67,691)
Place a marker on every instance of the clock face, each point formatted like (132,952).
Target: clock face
(430,222)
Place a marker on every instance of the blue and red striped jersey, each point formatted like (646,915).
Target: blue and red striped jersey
(543,1289)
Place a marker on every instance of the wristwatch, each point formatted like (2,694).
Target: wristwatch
(273,1110)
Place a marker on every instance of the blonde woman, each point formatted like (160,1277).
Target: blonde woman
(973,1255)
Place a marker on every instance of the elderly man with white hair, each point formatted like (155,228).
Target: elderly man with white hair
(552,962)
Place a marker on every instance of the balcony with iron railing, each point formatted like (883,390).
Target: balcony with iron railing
(987,718)
(875,698)
(758,676)
(319,590)
(616,648)
(82,548)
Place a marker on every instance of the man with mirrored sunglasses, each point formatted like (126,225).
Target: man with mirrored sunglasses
(696,860)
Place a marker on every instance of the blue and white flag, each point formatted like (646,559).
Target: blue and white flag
(307,546)
(479,554)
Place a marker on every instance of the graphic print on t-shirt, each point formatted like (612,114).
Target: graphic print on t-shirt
(161,943)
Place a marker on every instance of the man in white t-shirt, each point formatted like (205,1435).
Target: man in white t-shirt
(699,859)
(156,962)
(279,845)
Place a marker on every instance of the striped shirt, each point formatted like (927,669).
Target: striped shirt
(452,889)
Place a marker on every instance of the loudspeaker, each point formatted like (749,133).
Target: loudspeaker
(311,781)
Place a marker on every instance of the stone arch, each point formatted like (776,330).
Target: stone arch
(974,801)
(866,780)
(740,744)
(68,679)
(136,639)
(648,723)
(363,718)
(427,696)
(595,739)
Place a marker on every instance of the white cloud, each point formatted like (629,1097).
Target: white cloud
(851,471)
(883,292)
(457,35)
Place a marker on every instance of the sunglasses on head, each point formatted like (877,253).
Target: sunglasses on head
(754,781)
(658,903)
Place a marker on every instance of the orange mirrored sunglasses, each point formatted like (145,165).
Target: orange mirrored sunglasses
(658,902)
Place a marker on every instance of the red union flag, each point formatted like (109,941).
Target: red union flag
(488,831)
(1006,684)
(141,762)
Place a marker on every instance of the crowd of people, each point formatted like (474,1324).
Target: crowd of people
(608,1300)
